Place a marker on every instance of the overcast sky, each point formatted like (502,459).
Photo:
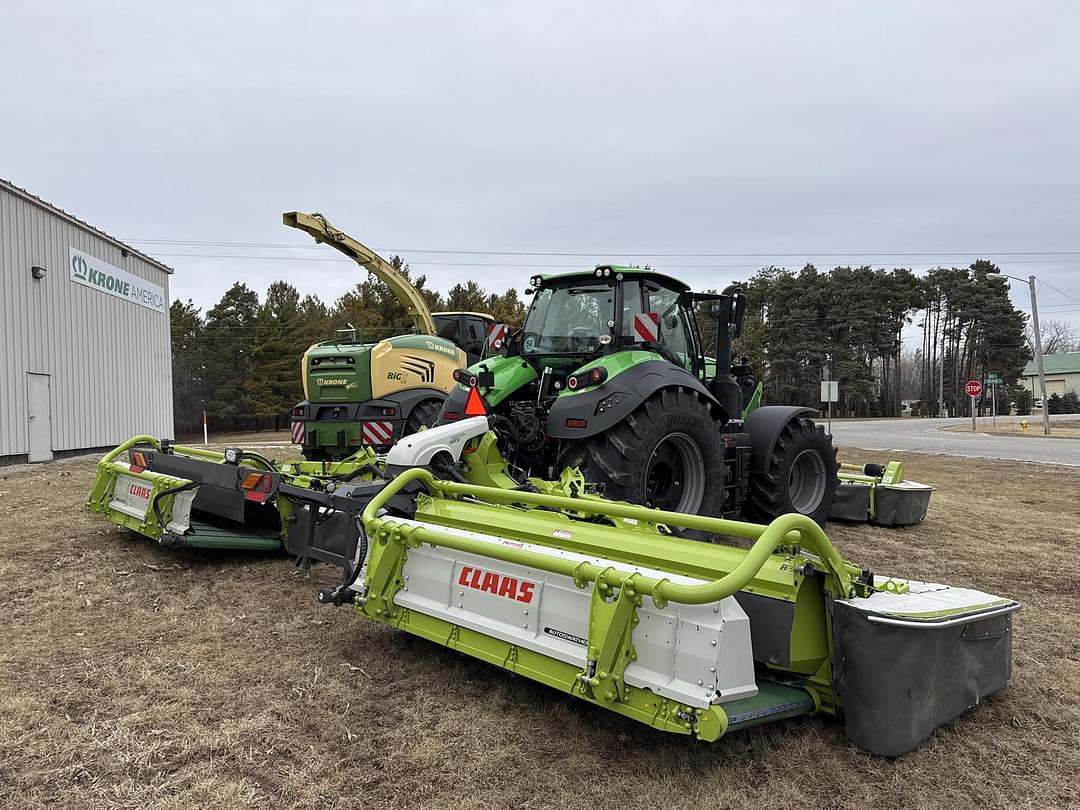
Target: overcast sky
(622,130)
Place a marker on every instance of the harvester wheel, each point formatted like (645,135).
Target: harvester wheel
(423,415)
(799,476)
(666,454)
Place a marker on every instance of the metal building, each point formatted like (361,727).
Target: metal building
(85,360)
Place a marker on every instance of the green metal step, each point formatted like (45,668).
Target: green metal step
(774,701)
(208,535)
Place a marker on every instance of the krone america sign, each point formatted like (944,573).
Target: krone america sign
(104,277)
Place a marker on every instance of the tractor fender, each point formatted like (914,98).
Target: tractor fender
(610,403)
(764,425)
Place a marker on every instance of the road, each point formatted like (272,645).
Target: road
(928,436)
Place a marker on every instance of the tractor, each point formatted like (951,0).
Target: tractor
(609,375)
(360,393)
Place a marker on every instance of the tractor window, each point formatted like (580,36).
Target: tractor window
(674,328)
(475,337)
(447,326)
(568,320)
(631,306)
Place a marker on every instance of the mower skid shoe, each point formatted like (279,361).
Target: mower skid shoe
(901,679)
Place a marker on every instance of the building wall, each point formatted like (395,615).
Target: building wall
(1055,384)
(109,360)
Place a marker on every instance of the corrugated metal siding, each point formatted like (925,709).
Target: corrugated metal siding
(109,361)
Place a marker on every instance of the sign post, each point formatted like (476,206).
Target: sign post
(973,389)
(993,380)
(830,393)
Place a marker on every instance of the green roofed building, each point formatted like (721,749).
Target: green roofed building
(1062,374)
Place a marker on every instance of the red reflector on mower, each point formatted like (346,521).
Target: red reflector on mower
(577,423)
(256,481)
(257,486)
(474,405)
(451,416)
(572,383)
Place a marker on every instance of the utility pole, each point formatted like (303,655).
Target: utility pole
(1039,356)
(941,381)
(1038,348)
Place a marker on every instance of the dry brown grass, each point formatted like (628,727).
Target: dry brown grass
(133,675)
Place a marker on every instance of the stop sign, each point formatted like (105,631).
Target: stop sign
(973,388)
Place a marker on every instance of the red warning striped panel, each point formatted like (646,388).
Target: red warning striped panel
(496,334)
(377,432)
(297,432)
(647,326)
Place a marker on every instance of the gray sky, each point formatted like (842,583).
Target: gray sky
(622,130)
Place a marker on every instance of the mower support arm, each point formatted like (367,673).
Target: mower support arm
(784,529)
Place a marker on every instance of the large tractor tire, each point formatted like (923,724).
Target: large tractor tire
(424,415)
(798,476)
(666,454)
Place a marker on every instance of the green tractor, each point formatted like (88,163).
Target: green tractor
(359,394)
(609,375)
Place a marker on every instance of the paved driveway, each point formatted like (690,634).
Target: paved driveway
(928,436)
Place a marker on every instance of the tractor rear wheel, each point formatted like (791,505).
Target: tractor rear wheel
(666,454)
(423,415)
(799,476)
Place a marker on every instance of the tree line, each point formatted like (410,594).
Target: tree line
(849,324)
(240,360)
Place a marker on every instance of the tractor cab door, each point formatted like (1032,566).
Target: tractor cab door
(465,330)
(474,337)
(657,315)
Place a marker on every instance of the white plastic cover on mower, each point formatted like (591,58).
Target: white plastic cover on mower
(696,654)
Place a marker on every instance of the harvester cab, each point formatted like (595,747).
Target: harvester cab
(370,393)
(609,375)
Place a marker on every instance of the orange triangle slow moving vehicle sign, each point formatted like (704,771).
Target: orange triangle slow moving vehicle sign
(474,405)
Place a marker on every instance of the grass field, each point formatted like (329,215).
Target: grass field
(133,675)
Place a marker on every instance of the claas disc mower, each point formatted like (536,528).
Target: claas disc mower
(609,375)
(607,601)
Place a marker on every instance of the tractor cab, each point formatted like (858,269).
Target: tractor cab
(580,317)
(609,310)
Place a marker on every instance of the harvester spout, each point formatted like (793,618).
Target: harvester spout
(402,289)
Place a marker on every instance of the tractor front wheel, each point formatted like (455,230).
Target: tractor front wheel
(667,454)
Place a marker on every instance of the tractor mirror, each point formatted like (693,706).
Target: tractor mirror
(714,310)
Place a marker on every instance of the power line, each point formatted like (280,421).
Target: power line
(1060,292)
(710,266)
(644,254)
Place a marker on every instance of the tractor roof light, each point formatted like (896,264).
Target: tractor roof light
(535,281)
(233,455)
(599,272)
